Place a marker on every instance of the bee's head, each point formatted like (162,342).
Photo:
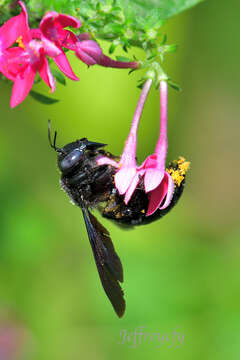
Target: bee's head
(73,153)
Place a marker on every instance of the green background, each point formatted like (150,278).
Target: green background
(181,272)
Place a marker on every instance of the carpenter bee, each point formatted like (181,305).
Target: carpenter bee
(90,186)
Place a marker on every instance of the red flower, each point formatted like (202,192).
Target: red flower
(20,64)
(54,37)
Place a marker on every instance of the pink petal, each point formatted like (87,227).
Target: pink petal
(123,179)
(50,48)
(88,51)
(170,192)
(12,62)
(63,64)
(156,196)
(90,47)
(9,32)
(83,36)
(35,34)
(13,28)
(132,188)
(150,162)
(152,179)
(107,161)
(69,40)
(46,74)
(24,27)
(67,20)
(22,85)
(48,20)
(88,60)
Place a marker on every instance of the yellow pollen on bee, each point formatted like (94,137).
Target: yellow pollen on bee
(178,174)
(20,43)
(183,165)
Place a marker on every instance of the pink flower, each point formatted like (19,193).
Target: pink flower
(12,29)
(91,54)
(157,182)
(55,36)
(20,64)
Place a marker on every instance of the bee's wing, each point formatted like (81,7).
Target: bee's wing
(108,263)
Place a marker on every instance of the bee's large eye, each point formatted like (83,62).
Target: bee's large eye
(71,160)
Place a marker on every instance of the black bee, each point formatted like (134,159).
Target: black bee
(92,186)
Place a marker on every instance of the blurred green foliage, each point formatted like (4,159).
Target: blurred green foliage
(181,272)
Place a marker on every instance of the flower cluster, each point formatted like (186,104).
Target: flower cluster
(21,63)
(158,183)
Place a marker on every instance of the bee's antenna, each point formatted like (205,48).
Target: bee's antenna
(52,144)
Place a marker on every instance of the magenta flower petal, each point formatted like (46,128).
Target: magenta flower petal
(157,196)
(46,74)
(35,34)
(83,36)
(53,24)
(152,178)
(13,28)
(107,161)
(22,85)
(24,27)
(47,23)
(69,40)
(154,172)
(50,48)
(88,51)
(88,60)
(63,64)
(10,64)
(123,178)
(132,188)
(67,20)
(170,192)
(9,32)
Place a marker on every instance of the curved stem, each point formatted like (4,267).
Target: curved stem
(129,152)
(161,147)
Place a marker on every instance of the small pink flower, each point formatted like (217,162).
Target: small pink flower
(91,54)
(88,51)
(12,29)
(20,64)
(157,182)
(55,36)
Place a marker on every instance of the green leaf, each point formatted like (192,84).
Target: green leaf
(174,85)
(123,59)
(43,99)
(59,77)
(166,8)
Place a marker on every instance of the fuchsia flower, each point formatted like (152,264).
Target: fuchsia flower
(11,30)
(157,181)
(20,64)
(91,54)
(55,36)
